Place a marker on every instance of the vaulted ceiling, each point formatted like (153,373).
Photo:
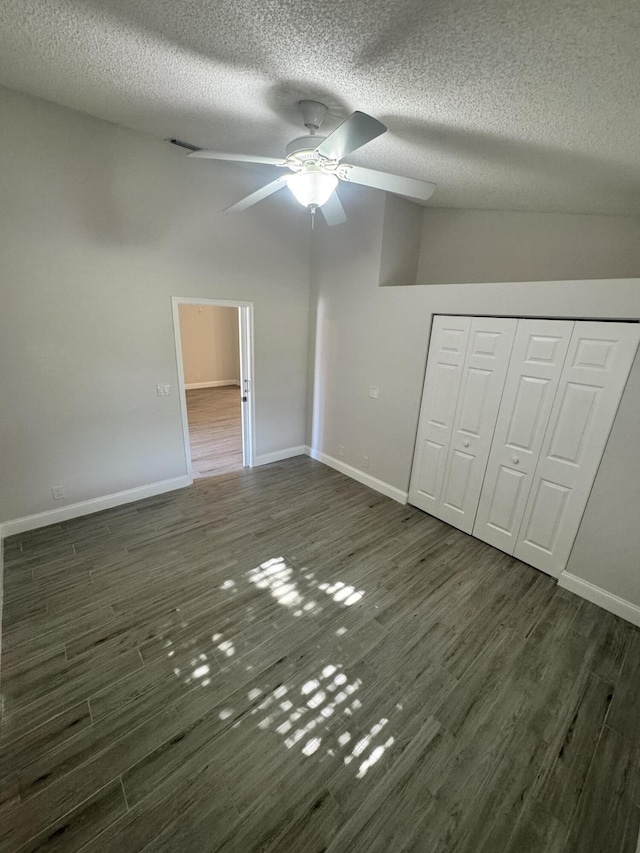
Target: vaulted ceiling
(514,104)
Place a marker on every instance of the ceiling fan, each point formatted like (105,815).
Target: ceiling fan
(315,166)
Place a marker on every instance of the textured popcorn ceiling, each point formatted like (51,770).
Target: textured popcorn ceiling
(522,104)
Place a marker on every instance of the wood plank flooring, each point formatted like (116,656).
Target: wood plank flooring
(215,430)
(281,660)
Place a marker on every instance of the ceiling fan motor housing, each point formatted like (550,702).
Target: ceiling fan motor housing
(303,148)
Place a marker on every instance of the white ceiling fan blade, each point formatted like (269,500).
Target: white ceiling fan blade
(333,211)
(410,187)
(258,195)
(353,133)
(236,158)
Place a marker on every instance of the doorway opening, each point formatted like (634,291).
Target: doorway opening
(214,355)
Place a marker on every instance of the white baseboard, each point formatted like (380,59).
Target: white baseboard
(360,476)
(596,595)
(215,384)
(64,513)
(279,455)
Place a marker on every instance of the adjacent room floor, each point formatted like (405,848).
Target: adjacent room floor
(281,660)
(215,430)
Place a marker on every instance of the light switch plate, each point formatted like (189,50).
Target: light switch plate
(163,390)
(374,391)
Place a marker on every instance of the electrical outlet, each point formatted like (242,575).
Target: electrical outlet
(58,493)
(341,450)
(374,391)
(365,461)
(163,390)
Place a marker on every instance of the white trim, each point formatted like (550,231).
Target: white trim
(175,302)
(217,383)
(245,325)
(222,303)
(279,455)
(64,513)
(247,374)
(360,476)
(596,595)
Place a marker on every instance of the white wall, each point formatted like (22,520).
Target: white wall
(401,241)
(210,346)
(365,335)
(369,335)
(99,227)
(460,246)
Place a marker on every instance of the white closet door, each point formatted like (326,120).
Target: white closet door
(449,337)
(483,377)
(591,385)
(537,359)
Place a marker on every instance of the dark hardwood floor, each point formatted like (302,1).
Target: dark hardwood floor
(280,659)
(215,430)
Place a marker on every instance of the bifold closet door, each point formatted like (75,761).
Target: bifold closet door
(591,384)
(457,421)
(447,350)
(537,359)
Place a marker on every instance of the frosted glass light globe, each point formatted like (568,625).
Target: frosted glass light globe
(312,188)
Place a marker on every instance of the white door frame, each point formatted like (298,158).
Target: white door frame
(245,323)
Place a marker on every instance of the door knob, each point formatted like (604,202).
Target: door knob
(466,442)
(516,460)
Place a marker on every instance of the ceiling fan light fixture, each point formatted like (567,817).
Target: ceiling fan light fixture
(317,165)
(312,188)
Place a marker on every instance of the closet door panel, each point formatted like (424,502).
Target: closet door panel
(447,350)
(483,377)
(592,382)
(538,356)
